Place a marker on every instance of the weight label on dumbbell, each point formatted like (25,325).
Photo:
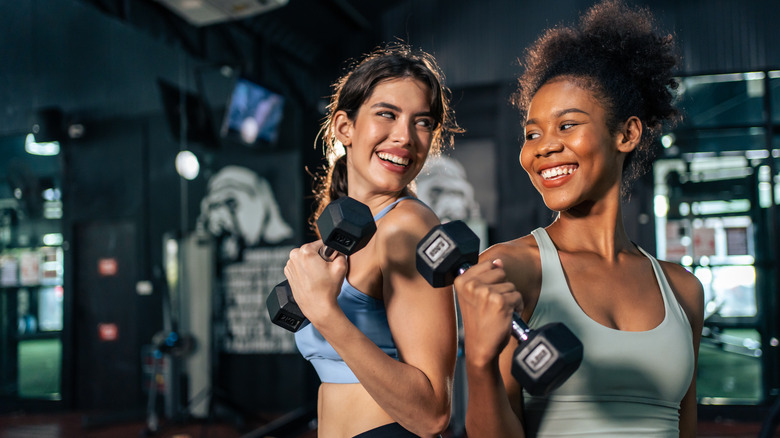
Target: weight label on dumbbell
(289,322)
(538,357)
(437,249)
(343,239)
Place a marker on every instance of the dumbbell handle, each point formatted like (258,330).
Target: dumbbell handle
(327,253)
(519,327)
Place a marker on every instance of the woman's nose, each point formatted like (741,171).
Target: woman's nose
(402,132)
(551,145)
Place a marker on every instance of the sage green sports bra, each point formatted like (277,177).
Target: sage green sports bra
(629,383)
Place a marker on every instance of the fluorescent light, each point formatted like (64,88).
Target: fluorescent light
(53,239)
(45,149)
(660,205)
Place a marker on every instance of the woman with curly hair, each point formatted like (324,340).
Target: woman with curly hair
(382,340)
(593,99)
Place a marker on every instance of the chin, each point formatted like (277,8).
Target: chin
(558,205)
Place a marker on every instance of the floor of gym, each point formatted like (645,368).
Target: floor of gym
(71,425)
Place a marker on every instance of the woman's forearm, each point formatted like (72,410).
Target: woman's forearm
(488,412)
(420,403)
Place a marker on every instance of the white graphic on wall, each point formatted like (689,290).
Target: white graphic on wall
(444,186)
(240,210)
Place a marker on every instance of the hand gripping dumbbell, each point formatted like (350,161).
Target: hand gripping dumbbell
(545,357)
(346,226)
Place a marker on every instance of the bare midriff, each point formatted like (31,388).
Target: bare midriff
(345,410)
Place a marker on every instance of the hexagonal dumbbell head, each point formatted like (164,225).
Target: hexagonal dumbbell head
(346,226)
(445,251)
(283,310)
(548,356)
(545,358)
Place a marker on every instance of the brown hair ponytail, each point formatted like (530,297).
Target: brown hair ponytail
(329,187)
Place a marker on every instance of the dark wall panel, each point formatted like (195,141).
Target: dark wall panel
(67,54)
(480,42)
(106,301)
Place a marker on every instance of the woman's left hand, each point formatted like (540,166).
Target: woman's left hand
(315,283)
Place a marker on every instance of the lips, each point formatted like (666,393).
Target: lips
(395,159)
(552,173)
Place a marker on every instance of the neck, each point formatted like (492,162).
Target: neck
(595,228)
(376,201)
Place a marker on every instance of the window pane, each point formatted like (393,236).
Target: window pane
(720,140)
(723,100)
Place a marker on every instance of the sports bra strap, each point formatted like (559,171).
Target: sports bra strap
(384,211)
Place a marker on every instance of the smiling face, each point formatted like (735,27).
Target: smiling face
(389,139)
(569,153)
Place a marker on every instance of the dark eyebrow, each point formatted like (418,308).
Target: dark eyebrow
(386,105)
(559,114)
(397,109)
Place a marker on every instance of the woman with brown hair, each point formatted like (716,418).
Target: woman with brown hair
(382,340)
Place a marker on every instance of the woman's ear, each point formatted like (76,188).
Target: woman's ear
(343,128)
(630,135)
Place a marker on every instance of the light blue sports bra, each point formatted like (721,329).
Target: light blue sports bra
(369,316)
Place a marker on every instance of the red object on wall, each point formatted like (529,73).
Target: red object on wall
(107,267)
(108,332)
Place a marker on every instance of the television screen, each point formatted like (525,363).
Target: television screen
(253,114)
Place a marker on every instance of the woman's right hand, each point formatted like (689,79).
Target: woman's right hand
(315,283)
(487,301)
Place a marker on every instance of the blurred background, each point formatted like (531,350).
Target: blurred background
(156,161)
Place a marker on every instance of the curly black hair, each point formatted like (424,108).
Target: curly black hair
(617,53)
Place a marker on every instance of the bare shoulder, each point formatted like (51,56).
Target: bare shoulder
(518,250)
(402,228)
(407,217)
(687,288)
(521,262)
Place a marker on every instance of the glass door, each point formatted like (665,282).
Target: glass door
(31,272)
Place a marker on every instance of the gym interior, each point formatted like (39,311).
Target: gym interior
(134,267)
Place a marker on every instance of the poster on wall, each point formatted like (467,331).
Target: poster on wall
(252,207)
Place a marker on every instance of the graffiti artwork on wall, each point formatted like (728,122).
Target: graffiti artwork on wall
(241,211)
(253,241)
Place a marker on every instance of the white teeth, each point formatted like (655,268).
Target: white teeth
(557,171)
(393,159)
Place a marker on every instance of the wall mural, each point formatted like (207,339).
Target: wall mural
(241,211)
(253,242)
(443,185)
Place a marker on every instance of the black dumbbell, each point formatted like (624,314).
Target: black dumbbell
(346,226)
(546,357)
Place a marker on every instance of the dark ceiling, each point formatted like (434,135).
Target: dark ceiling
(313,33)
